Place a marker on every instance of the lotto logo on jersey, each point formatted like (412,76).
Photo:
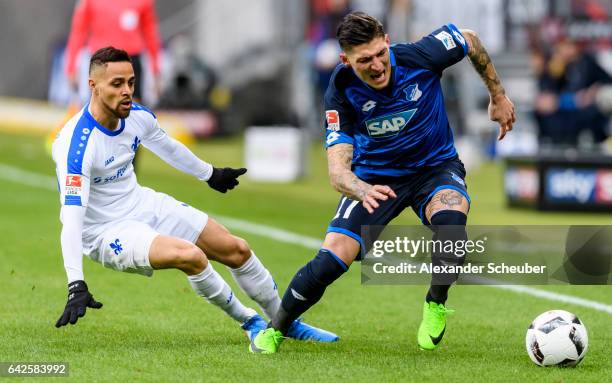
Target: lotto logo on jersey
(333,120)
(389,125)
(73,184)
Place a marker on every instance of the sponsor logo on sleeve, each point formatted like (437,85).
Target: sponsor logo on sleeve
(73,184)
(333,120)
(446,39)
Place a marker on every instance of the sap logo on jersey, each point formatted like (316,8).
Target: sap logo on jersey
(333,120)
(390,124)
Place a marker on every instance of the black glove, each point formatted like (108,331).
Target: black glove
(79,299)
(225,179)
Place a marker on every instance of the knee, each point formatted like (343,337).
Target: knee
(342,246)
(326,267)
(449,225)
(240,252)
(449,217)
(191,260)
(242,248)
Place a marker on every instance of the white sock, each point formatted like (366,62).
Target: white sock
(256,281)
(211,286)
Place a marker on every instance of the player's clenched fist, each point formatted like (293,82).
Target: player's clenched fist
(79,298)
(224,179)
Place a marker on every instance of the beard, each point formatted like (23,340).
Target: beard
(123,114)
(117,112)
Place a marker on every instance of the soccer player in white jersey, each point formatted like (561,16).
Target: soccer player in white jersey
(109,217)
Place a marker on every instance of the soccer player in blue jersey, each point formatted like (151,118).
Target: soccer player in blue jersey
(389,147)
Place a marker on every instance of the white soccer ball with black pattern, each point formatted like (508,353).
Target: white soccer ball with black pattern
(557,338)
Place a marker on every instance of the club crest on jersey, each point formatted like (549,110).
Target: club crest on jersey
(413,93)
(446,39)
(135,143)
(73,184)
(390,124)
(333,120)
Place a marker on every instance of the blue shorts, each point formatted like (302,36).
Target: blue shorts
(415,191)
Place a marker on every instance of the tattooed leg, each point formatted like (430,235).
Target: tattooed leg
(446,199)
(447,213)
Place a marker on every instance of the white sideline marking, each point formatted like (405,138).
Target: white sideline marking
(521,289)
(25,177)
(270,232)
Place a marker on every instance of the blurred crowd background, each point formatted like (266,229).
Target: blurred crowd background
(223,66)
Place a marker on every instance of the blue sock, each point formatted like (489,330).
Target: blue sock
(448,225)
(307,287)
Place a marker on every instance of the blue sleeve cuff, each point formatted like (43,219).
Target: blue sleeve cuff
(334,138)
(458,37)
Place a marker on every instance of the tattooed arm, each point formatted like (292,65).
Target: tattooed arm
(339,159)
(501,108)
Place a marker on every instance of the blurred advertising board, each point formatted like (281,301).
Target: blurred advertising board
(546,182)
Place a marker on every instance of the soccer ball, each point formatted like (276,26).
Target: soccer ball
(556,338)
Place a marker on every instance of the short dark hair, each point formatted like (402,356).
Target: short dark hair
(106,55)
(358,28)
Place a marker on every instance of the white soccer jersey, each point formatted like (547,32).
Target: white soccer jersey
(94,166)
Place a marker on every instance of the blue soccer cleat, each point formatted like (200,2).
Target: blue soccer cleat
(253,326)
(302,331)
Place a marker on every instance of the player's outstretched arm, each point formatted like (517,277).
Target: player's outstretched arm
(79,297)
(339,159)
(180,157)
(501,108)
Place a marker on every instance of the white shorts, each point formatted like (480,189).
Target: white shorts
(124,245)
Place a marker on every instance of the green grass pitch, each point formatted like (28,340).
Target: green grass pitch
(156,329)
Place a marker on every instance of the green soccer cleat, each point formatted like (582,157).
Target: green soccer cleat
(433,325)
(267,341)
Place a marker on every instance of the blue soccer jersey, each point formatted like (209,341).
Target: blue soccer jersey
(396,130)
